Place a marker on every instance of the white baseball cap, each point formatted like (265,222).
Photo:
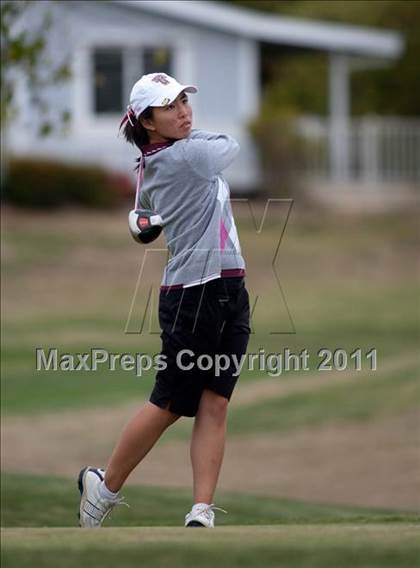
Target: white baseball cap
(156,90)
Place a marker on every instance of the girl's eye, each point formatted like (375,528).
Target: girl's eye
(172,106)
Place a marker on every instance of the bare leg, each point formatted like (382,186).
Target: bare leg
(208,444)
(137,439)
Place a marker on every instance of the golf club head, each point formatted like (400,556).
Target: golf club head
(145,226)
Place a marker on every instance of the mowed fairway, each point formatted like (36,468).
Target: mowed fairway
(295,546)
(257,531)
(322,469)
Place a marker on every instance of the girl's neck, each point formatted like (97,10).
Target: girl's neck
(155,138)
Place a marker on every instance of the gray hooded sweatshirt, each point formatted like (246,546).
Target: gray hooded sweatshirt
(183,183)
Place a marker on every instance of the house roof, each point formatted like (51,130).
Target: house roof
(276,29)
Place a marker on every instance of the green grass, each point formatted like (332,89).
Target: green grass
(37,392)
(303,546)
(39,516)
(349,320)
(349,282)
(25,390)
(372,396)
(41,501)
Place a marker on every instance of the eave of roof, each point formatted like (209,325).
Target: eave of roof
(269,28)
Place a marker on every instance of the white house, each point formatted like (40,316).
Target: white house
(212,45)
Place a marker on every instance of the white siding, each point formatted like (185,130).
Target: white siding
(222,66)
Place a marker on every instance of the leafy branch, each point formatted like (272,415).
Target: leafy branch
(24,54)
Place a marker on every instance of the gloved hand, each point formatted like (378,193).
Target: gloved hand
(145,226)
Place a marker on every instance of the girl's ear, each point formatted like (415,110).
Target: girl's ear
(147,123)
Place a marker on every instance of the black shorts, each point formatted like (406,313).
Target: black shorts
(206,320)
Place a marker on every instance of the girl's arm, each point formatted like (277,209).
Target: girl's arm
(209,154)
(196,134)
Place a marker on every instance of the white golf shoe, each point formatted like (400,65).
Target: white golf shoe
(202,515)
(93,507)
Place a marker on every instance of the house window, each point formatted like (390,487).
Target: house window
(108,73)
(117,69)
(156,60)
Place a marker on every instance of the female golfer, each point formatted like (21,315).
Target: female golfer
(203,304)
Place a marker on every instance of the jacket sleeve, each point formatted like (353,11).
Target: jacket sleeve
(196,134)
(209,154)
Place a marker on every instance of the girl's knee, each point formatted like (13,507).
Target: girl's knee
(214,405)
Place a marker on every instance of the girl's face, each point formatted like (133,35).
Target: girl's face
(171,122)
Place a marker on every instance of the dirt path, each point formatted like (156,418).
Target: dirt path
(372,464)
(376,463)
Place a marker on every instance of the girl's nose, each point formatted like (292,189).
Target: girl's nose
(182,111)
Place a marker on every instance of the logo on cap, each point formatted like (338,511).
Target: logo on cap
(165,101)
(161,79)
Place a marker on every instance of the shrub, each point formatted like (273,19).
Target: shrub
(281,151)
(45,184)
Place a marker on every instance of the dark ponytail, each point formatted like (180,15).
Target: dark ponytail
(137,134)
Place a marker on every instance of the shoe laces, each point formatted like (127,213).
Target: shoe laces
(207,510)
(115,503)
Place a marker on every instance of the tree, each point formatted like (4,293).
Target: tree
(294,76)
(24,55)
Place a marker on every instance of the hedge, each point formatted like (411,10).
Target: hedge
(46,184)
